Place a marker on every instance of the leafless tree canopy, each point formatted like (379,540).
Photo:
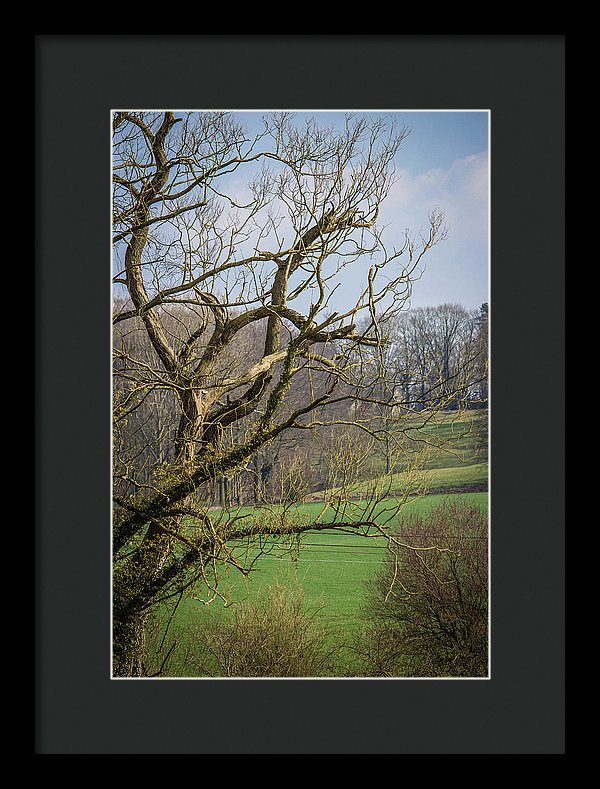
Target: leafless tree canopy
(228,249)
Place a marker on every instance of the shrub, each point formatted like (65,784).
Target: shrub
(427,610)
(271,636)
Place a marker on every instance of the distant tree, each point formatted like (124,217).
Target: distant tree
(227,249)
(482,345)
(437,356)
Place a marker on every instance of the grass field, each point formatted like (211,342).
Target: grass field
(454,459)
(332,569)
(459,478)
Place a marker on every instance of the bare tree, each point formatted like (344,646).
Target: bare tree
(225,291)
(427,608)
(436,355)
(481,322)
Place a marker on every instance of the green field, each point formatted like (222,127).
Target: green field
(459,478)
(452,440)
(330,567)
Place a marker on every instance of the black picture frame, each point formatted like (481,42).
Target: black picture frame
(79,709)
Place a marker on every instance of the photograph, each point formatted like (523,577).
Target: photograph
(300,388)
(302,393)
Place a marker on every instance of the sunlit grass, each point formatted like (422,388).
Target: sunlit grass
(331,567)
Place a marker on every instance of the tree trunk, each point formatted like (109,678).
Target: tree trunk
(130,584)
(129,645)
(131,599)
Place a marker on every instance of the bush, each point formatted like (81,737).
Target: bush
(272,636)
(427,610)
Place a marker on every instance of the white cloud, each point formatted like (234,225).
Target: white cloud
(461,192)
(456,270)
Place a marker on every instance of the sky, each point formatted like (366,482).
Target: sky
(443,164)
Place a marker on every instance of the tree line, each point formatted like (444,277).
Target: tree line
(429,358)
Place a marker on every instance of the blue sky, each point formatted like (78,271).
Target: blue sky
(443,164)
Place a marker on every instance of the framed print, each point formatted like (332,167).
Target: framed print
(288,323)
